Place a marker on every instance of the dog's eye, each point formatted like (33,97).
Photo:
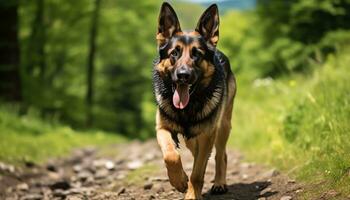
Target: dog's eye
(196,53)
(175,52)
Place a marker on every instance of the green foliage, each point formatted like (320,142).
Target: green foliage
(282,37)
(126,46)
(125,50)
(30,138)
(300,123)
(321,121)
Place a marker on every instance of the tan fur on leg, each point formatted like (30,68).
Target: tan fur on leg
(172,159)
(201,151)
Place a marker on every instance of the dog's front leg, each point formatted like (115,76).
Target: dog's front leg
(201,146)
(172,159)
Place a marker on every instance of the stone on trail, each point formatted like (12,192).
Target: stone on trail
(134,164)
(148,186)
(7,168)
(51,167)
(63,185)
(159,179)
(102,173)
(32,197)
(59,193)
(22,187)
(109,165)
(77,168)
(121,191)
(84,175)
(271,173)
(286,198)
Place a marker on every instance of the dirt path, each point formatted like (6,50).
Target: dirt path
(135,171)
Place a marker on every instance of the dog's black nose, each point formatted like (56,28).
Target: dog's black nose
(183,75)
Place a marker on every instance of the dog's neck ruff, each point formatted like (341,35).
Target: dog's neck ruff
(203,104)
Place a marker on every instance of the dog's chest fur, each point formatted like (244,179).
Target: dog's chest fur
(204,107)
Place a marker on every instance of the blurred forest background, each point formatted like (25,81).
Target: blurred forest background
(77,72)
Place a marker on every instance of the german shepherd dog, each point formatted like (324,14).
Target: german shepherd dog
(194,89)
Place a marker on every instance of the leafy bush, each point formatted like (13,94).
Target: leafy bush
(319,126)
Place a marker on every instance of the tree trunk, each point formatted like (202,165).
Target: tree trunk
(91,63)
(10,82)
(36,50)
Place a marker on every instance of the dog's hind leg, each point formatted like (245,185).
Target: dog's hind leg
(201,148)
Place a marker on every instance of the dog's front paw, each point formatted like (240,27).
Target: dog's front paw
(219,189)
(178,180)
(191,195)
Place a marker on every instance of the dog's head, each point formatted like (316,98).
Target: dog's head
(186,57)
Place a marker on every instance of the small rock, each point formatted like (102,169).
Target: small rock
(298,191)
(109,165)
(77,168)
(134,165)
(234,173)
(59,193)
(286,198)
(6,168)
(271,173)
(148,157)
(51,167)
(75,191)
(63,185)
(160,189)
(76,184)
(23,187)
(121,191)
(148,186)
(331,193)
(32,197)
(84,175)
(152,197)
(291,181)
(159,179)
(99,163)
(102,173)
(265,190)
(74,198)
(54,175)
(9,190)
(88,151)
(244,176)
(29,164)
(121,176)
(262,198)
(246,165)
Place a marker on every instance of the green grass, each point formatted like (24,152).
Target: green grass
(299,124)
(30,138)
(138,176)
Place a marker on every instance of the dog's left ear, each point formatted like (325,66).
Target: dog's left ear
(208,25)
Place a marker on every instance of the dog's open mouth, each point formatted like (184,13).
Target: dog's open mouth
(181,95)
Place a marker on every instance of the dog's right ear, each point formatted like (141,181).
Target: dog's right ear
(168,24)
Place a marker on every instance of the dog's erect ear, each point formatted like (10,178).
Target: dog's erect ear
(208,25)
(168,24)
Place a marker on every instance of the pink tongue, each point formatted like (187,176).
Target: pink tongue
(181,96)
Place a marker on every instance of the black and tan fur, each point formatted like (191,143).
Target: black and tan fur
(206,120)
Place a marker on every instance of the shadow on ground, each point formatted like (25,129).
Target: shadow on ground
(242,191)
